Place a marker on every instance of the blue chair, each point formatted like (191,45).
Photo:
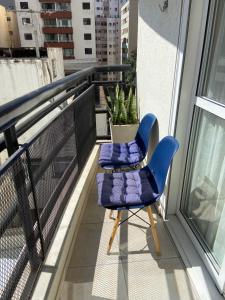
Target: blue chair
(116,156)
(137,189)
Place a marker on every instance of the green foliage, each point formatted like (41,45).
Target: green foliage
(122,108)
(130,76)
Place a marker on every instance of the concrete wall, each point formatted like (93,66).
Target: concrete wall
(21,76)
(133,26)
(78,13)
(156,58)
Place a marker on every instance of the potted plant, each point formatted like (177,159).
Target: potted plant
(123,114)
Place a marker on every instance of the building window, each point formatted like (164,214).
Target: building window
(24,5)
(10,32)
(68,52)
(86,5)
(28,36)
(88,50)
(51,37)
(64,23)
(25,21)
(87,36)
(65,37)
(8,19)
(86,21)
(48,6)
(64,6)
(50,22)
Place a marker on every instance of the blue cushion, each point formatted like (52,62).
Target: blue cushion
(117,155)
(127,189)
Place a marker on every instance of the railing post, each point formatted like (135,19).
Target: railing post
(22,196)
(35,204)
(97,90)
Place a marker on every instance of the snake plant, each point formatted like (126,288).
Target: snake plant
(122,109)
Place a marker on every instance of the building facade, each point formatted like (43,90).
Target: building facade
(129,28)
(107,23)
(30,23)
(9,32)
(63,24)
(83,22)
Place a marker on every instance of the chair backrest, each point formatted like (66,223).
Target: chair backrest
(161,160)
(144,132)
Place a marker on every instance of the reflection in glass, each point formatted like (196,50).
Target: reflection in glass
(205,187)
(214,85)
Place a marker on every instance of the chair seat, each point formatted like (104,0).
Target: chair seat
(119,155)
(125,190)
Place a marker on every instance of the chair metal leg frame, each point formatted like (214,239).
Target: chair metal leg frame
(118,222)
(115,227)
(154,230)
(134,214)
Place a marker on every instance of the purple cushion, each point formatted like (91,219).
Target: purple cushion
(125,189)
(117,155)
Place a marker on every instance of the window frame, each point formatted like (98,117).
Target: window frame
(22,3)
(85,19)
(26,34)
(87,36)
(86,4)
(87,50)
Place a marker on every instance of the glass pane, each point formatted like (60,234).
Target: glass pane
(205,186)
(214,85)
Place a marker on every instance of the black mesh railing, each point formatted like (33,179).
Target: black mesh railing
(33,180)
(31,184)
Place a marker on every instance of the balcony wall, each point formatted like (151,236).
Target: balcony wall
(158,36)
(55,44)
(57,29)
(57,14)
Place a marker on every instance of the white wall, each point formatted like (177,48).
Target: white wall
(78,13)
(156,58)
(21,76)
(35,28)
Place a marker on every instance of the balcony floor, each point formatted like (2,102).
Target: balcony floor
(132,270)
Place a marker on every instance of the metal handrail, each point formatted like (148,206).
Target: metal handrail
(24,174)
(13,111)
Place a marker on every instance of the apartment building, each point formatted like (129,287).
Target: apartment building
(29,23)
(9,33)
(129,27)
(83,21)
(62,24)
(107,21)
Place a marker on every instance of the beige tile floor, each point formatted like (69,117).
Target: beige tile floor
(132,270)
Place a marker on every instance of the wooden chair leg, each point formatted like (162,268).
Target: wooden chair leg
(154,230)
(116,224)
(111,214)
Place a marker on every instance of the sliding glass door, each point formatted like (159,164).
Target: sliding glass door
(203,199)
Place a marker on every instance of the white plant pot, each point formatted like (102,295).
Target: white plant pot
(123,133)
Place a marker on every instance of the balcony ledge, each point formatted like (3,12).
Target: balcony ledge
(48,283)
